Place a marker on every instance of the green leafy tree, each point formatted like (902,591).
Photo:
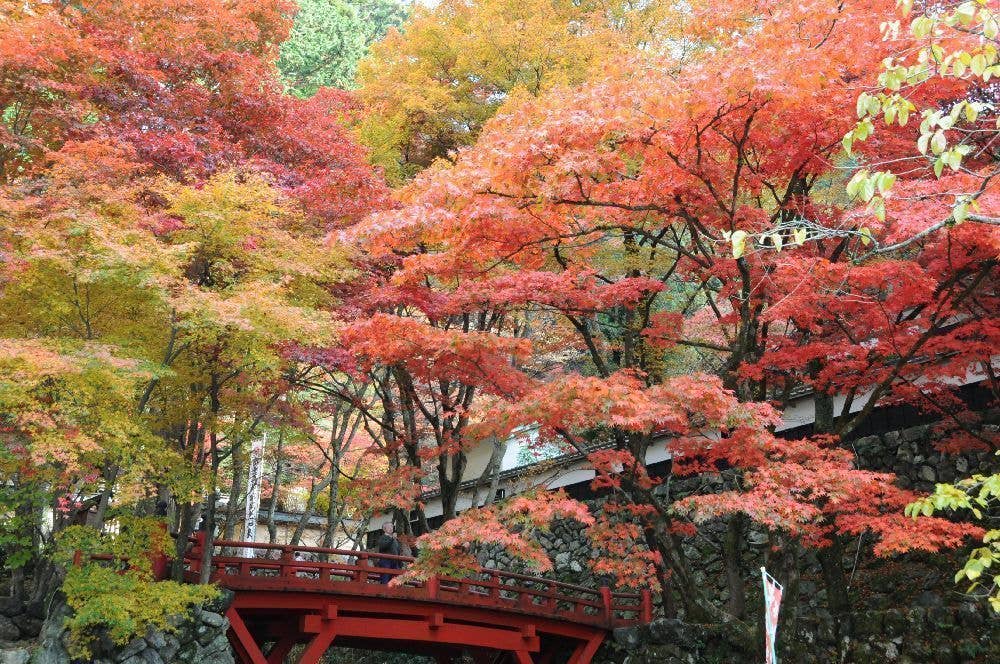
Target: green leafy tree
(980,496)
(328,39)
(120,597)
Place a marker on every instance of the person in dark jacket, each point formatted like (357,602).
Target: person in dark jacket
(389,543)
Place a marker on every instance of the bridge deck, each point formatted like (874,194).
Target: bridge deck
(273,567)
(289,597)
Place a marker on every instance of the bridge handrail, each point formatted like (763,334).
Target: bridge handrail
(362,555)
(602,601)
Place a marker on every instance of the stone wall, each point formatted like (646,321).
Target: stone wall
(19,621)
(909,608)
(198,638)
(965,634)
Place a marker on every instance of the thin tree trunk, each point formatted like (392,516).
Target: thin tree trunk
(332,513)
(206,552)
(235,492)
(831,559)
(491,474)
(189,515)
(310,509)
(110,477)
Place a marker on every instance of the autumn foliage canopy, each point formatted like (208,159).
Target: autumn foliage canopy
(647,241)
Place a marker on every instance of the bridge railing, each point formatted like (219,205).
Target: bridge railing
(319,568)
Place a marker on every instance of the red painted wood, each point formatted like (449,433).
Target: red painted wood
(281,650)
(319,644)
(247,645)
(586,651)
(280,595)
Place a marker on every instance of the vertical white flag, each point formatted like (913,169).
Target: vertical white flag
(255,474)
(772,604)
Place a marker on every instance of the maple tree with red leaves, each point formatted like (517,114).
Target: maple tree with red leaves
(655,224)
(191,88)
(653,263)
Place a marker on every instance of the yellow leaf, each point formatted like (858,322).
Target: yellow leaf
(866,235)
(739,240)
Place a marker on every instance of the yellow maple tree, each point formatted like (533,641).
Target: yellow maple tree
(429,87)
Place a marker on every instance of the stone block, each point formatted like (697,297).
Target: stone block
(212,619)
(10,606)
(220,603)
(628,637)
(170,648)
(134,647)
(894,623)
(8,630)
(151,656)
(29,625)
(15,656)
(156,639)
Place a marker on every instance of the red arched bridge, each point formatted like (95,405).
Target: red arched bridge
(291,595)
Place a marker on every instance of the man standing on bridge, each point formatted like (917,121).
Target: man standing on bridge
(388,543)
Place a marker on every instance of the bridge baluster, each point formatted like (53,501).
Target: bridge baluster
(606,602)
(646,612)
(362,574)
(433,586)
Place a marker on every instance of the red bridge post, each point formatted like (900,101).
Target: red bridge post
(646,613)
(433,585)
(609,613)
(195,554)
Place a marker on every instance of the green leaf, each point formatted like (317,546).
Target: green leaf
(966,12)
(868,189)
(978,64)
(848,142)
(885,181)
(922,142)
(862,105)
(938,142)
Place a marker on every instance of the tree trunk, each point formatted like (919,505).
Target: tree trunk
(189,514)
(491,474)
(310,509)
(732,557)
(206,552)
(831,559)
(110,477)
(332,516)
(790,577)
(235,492)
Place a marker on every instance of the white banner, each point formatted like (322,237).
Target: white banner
(772,604)
(255,475)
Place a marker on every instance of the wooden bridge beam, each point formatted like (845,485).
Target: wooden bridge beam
(242,640)
(281,650)
(585,651)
